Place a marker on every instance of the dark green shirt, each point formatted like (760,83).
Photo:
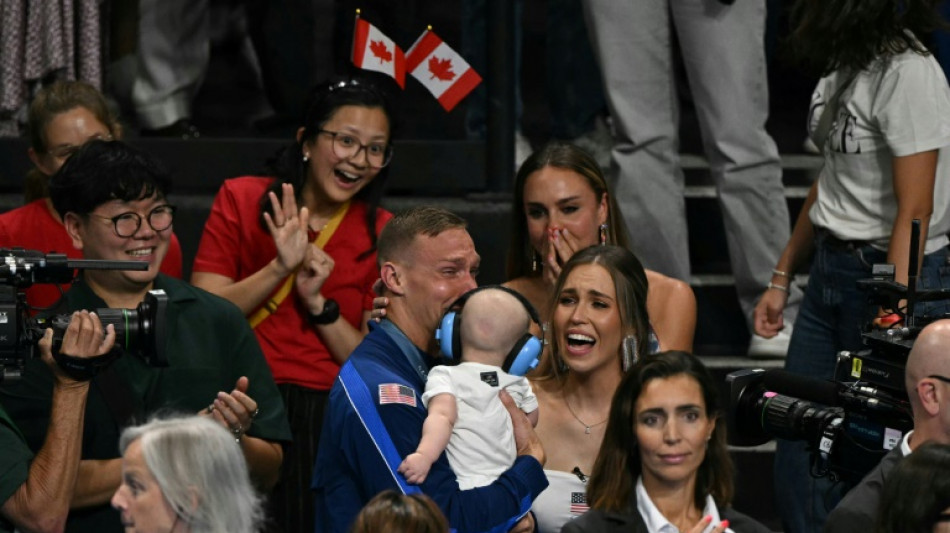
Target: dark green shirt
(209,346)
(15,459)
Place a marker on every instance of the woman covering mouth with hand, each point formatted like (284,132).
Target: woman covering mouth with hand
(562,204)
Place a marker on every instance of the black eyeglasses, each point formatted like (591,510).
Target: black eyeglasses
(345,146)
(943,517)
(944,379)
(127,224)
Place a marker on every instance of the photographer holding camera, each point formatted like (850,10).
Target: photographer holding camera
(927,379)
(113,199)
(35,491)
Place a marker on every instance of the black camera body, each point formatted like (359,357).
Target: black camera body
(139,331)
(849,423)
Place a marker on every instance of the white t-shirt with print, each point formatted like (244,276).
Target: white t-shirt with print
(898,106)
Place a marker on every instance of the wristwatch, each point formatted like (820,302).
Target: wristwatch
(331,312)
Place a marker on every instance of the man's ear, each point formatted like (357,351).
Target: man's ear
(40,162)
(392,278)
(75,227)
(928,394)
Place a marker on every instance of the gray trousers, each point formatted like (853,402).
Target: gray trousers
(723,52)
(174,48)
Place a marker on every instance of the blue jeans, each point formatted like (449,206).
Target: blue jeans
(830,319)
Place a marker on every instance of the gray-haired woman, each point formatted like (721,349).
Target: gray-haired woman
(185,474)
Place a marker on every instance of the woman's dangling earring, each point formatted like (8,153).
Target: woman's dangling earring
(535,262)
(628,351)
(306,157)
(603,234)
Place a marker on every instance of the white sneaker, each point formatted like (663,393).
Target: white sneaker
(774,348)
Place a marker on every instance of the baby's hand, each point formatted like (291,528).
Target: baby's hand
(415,468)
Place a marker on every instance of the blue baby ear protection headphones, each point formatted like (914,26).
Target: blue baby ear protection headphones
(522,357)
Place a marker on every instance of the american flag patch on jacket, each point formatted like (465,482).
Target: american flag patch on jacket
(579,503)
(396,393)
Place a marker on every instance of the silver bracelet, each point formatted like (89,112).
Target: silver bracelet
(776,272)
(782,288)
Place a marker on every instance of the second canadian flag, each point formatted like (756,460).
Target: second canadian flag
(443,71)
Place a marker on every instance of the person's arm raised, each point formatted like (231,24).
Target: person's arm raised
(339,336)
(288,227)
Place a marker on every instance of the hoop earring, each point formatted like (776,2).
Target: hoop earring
(628,352)
(603,234)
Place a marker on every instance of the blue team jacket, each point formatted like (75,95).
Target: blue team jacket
(350,469)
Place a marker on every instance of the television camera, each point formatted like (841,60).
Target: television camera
(849,423)
(139,331)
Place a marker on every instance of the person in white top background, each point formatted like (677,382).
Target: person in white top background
(881,115)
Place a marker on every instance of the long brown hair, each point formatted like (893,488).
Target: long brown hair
(630,284)
(568,157)
(612,481)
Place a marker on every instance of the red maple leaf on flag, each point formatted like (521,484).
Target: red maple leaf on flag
(441,68)
(379,50)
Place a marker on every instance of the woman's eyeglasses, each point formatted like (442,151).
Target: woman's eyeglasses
(346,146)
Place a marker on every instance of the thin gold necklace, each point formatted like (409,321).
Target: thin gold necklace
(585,424)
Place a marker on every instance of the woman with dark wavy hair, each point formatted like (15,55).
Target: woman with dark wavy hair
(664,460)
(881,115)
(916,497)
(296,251)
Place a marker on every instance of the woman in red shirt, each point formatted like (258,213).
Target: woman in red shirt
(296,251)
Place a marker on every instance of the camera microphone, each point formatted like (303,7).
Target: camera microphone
(829,393)
(804,387)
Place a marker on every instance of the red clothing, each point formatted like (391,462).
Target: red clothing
(235,245)
(33,227)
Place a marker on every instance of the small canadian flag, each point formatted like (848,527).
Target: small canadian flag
(447,76)
(373,50)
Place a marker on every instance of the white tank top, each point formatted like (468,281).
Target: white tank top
(563,500)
